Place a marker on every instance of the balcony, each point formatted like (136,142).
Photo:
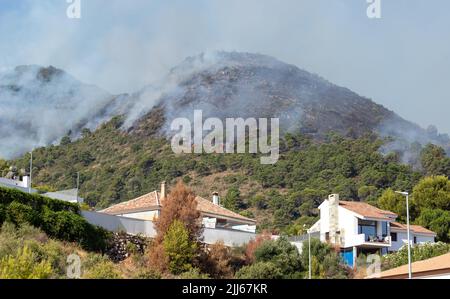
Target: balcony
(369,241)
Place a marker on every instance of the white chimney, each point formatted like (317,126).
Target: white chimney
(216,199)
(163,189)
(25,182)
(333,206)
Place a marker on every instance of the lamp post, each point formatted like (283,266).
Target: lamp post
(31,171)
(407,232)
(309,252)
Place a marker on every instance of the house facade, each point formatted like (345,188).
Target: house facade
(214,216)
(359,228)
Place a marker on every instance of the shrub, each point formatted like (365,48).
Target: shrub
(193,273)
(102,270)
(283,255)
(57,218)
(178,248)
(24,266)
(260,270)
(217,261)
(418,253)
(18,213)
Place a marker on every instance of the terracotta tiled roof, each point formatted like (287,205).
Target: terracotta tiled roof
(421,268)
(414,228)
(206,206)
(151,202)
(148,201)
(366,210)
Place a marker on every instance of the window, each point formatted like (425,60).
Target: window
(368,228)
(384,229)
(415,240)
(394,237)
(327,236)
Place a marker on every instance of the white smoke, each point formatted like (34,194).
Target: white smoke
(40,105)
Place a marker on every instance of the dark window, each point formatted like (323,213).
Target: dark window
(415,240)
(327,237)
(384,229)
(394,237)
(368,228)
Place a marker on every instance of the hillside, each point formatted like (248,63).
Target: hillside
(332,142)
(40,105)
(117,166)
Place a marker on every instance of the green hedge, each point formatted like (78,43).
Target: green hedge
(60,220)
(37,202)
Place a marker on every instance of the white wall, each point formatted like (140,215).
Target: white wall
(402,239)
(144,227)
(147,215)
(348,224)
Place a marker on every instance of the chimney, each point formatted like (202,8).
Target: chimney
(26,182)
(216,198)
(333,206)
(163,189)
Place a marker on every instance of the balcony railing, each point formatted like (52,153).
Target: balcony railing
(363,239)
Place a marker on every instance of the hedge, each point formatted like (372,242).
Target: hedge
(58,219)
(37,202)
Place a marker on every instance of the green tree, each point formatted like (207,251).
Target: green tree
(432,192)
(435,161)
(233,199)
(325,262)
(66,140)
(282,254)
(393,202)
(179,248)
(436,220)
(24,265)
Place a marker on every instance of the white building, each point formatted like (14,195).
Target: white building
(357,227)
(22,184)
(148,207)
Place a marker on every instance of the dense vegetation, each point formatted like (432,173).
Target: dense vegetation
(59,219)
(429,205)
(418,253)
(117,166)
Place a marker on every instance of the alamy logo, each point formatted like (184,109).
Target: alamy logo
(208,136)
(374,9)
(74,9)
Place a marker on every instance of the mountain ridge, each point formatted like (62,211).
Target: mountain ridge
(222,84)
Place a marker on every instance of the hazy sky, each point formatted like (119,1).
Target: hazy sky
(401,60)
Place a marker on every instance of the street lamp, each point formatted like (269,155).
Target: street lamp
(309,252)
(407,231)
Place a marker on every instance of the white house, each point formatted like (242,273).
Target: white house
(359,228)
(148,207)
(418,235)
